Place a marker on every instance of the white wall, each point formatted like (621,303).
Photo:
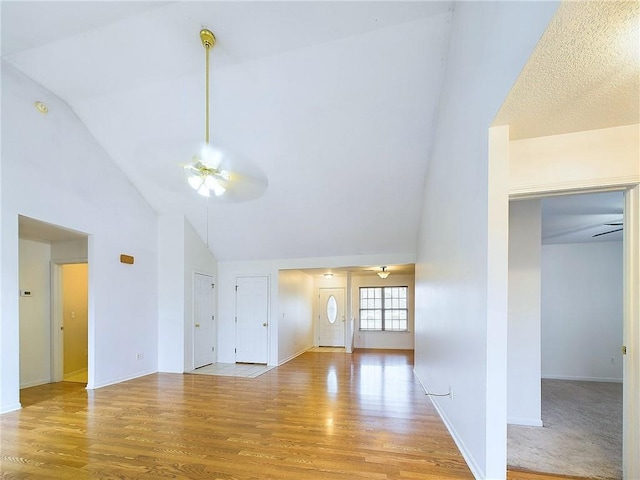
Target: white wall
(181,254)
(386,340)
(54,170)
(35,316)
(295,325)
(523,349)
(6,369)
(171,289)
(582,311)
(490,43)
(70,251)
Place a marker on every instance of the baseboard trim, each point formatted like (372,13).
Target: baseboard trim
(477,472)
(75,372)
(291,357)
(582,379)
(35,383)
(93,386)
(10,408)
(526,422)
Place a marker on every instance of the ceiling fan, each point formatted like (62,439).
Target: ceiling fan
(214,169)
(614,224)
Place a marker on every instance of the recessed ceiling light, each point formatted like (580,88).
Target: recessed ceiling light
(41,107)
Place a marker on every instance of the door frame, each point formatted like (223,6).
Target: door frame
(235,314)
(631,316)
(57,321)
(214,331)
(316,343)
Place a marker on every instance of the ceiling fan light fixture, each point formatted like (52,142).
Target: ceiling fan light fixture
(204,191)
(214,185)
(383,273)
(195,180)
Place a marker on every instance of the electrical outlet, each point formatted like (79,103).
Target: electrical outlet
(450,392)
(139,356)
(612,361)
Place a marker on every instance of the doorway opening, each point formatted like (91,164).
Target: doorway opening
(252,320)
(75,320)
(203,320)
(565,329)
(46,308)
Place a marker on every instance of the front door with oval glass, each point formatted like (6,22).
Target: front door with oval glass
(331,317)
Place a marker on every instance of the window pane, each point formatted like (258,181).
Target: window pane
(332,309)
(383,308)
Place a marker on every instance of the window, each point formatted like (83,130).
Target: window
(383,308)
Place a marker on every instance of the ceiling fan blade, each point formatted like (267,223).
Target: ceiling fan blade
(606,233)
(243,187)
(246,180)
(616,224)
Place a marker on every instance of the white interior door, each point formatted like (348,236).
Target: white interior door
(203,320)
(331,317)
(252,319)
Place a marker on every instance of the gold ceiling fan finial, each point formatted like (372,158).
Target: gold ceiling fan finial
(208,38)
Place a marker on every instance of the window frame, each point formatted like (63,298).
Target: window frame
(384,320)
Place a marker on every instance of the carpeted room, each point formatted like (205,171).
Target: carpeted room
(580,326)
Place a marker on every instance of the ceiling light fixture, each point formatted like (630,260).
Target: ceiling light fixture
(328,275)
(41,107)
(204,173)
(384,273)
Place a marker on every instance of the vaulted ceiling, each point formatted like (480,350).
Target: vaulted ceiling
(334,101)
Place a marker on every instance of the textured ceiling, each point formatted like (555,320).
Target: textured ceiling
(583,75)
(334,101)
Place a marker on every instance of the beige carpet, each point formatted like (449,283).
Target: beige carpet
(582,433)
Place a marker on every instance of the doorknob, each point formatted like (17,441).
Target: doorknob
(197,325)
(264,324)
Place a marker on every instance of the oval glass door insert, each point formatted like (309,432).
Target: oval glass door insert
(332,309)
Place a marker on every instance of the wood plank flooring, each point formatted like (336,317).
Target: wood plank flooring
(321,416)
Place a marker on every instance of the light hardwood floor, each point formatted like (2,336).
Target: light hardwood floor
(320,416)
